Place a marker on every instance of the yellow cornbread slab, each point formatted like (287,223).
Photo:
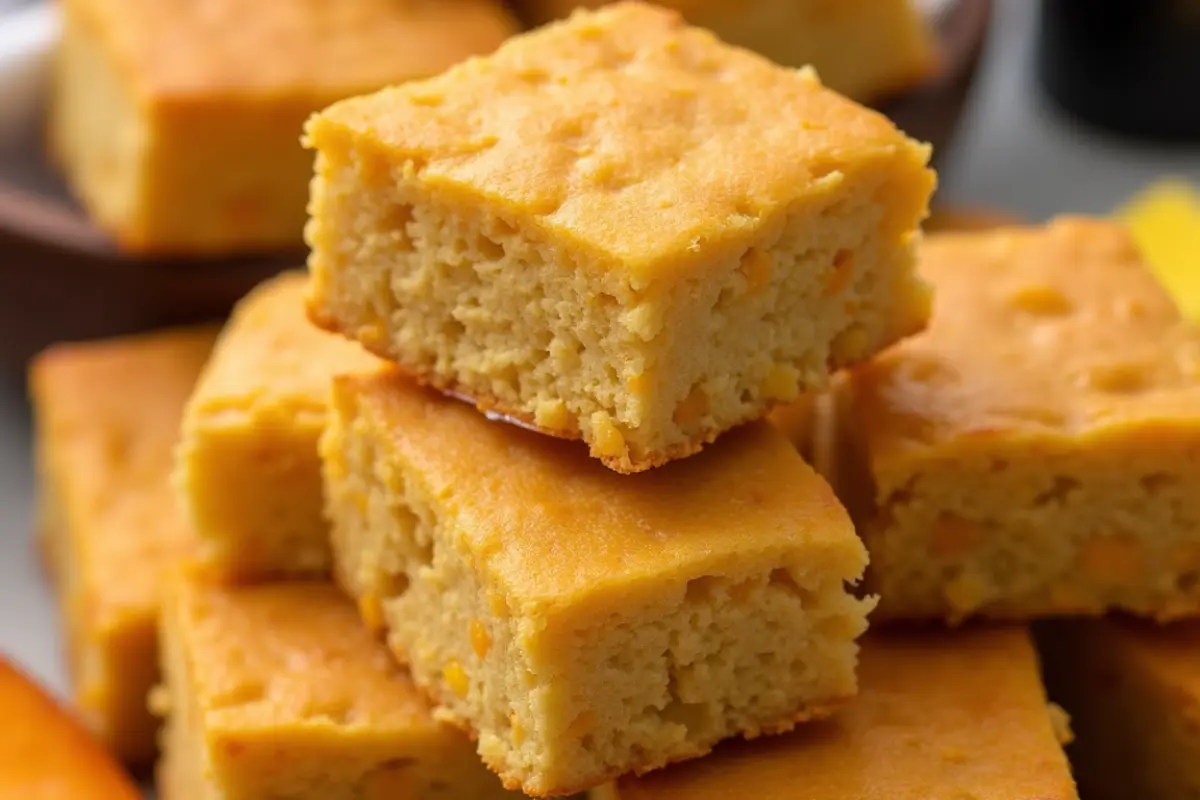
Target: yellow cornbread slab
(176,121)
(1037,450)
(863,49)
(277,692)
(619,229)
(1133,690)
(1165,222)
(45,754)
(939,716)
(579,623)
(107,417)
(247,469)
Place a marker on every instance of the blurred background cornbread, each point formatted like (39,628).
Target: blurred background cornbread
(175,121)
(864,49)
(1034,452)
(116,292)
(108,418)
(46,754)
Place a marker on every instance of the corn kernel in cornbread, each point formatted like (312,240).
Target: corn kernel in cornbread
(1133,690)
(107,418)
(176,121)
(44,752)
(1037,450)
(617,229)
(864,49)
(247,468)
(939,717)
(277,691)
(581,623)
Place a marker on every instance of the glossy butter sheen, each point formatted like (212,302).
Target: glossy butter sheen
(601,134)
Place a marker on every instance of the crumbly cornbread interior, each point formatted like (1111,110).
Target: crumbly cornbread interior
(1035,451)
(276,691)
(474,242)
(575,654)
(247,470)
(939,715)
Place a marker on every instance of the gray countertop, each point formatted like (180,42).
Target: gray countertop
(1013,152)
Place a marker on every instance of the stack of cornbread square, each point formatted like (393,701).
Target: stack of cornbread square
(501,462)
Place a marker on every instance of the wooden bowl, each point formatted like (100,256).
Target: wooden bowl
(61,278)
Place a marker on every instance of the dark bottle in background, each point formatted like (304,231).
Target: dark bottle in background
(1131,66)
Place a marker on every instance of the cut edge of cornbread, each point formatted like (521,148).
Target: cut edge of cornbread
(495,670)
(951,556)
(475,298)
(542,351)
(1088,507)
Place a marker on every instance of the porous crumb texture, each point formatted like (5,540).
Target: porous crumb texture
(1037,450)
(617,229)
(276,692)
(107,417)
(1132,693)
(246,470)
(864,49)
(176,121)
(567,690)
(940,715)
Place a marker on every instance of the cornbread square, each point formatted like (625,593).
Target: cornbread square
(939,716)
(582,624)
(1037,450)
(176,121)
(617,229)
(45,754)
(247,467)
(277,692)
(107,417)
(863,49)
(1133,690)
